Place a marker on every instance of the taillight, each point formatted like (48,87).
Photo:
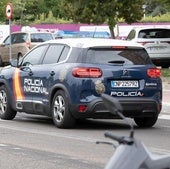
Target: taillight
(118,47)
(144,43)
(154,72)
(165,42)
(82,108)
(84,72)
(28,45)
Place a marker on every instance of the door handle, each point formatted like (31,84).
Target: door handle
(30,73)
(52,73)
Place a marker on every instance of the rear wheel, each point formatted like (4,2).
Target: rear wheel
(1,63)
(6,112)
(146,122)
(62,118)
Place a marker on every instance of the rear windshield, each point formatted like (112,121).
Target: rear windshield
(135,56)
(154,33)
(40,37)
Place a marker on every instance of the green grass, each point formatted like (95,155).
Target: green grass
(165,72)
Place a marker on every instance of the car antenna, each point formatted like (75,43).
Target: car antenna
(94,32)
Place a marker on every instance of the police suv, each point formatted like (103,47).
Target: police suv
(64,79)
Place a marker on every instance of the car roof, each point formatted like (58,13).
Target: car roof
(31,32)
(93,42)
(150,27)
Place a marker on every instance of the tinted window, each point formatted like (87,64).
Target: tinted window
(40,37)
(16,38)
(154,33)
(64,54)
(131,35)
(76,55)
(7,41)
(19,38)
(117,56)
(53,54)
(34,56)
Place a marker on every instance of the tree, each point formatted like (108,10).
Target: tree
(3,4)
(103,11)
(54,6)
(157,7)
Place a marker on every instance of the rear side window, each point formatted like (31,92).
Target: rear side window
(131,35)
(154,33)
(40,37)
(127,56)
(53,54)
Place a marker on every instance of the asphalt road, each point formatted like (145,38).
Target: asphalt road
(33,142)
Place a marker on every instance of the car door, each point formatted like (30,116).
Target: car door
(4,48)
(29,82)
(43,76)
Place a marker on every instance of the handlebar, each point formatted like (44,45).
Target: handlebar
(119,139)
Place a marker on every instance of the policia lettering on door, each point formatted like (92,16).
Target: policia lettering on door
(34,86)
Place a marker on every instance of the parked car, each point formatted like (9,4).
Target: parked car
(81,34)
(21,43)
(156,41)
(64,79)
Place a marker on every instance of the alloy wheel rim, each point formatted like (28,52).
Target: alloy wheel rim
(3,102)
(59,108)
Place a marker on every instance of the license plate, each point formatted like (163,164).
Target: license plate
(125,84)
(157,48)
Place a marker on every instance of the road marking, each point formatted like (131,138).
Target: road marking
(159,151)
(3,145)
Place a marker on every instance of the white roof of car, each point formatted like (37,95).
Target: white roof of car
(151,27)
(93,42)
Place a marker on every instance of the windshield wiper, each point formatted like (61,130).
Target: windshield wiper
(117,61)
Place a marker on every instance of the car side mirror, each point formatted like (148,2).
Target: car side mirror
(14,63)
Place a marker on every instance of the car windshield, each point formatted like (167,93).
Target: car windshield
(127,56)
(154,33)
(41,37)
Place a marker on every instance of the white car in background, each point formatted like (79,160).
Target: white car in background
(156,41)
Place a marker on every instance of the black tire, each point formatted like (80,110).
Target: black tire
(19,56)
(62,118)
(1,63)
(146,122)
(6,112)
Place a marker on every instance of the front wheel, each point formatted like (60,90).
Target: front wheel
(146,122)
(6,112)
(19,56)
(62,118)
(1,63)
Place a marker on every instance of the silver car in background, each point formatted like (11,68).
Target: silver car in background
(156,41)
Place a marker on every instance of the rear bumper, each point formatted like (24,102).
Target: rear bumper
(131,108)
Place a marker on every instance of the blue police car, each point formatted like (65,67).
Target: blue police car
(64,78)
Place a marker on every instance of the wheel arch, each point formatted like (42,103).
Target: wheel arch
(57,88)
(11,98)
